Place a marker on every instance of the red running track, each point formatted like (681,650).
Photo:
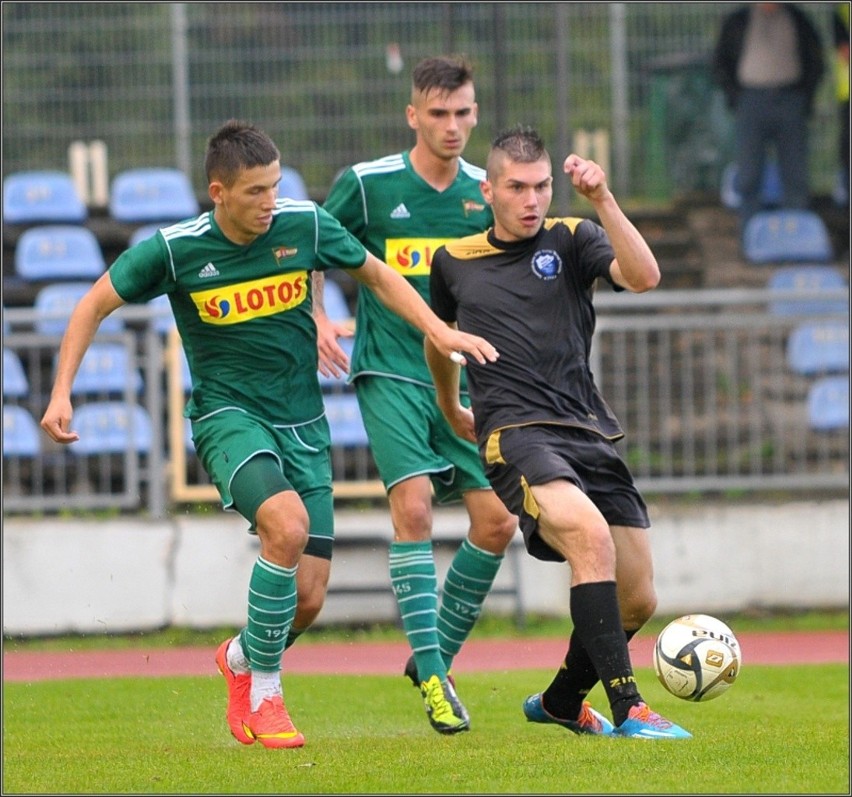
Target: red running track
(388,658)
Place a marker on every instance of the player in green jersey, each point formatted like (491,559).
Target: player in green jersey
(546,435)
(238,280)
(402,207)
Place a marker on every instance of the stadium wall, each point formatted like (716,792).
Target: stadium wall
(127,574)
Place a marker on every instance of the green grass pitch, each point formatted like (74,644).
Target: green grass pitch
(778,730)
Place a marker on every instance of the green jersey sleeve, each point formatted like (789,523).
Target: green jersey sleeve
(142,272)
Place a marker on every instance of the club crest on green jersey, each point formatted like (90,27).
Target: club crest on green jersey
(470,206)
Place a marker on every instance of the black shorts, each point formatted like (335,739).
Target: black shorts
(520,456)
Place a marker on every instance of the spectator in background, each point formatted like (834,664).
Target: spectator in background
(841,46)
(768,61)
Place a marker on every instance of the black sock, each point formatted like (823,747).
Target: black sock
(292,636)
(597,624)
(573,681)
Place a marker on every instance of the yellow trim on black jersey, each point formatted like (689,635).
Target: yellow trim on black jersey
(478,245)
(571,222)
(472,246)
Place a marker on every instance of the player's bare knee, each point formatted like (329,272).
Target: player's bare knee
(412,522)
(600,542)
(496,534)
(283,537)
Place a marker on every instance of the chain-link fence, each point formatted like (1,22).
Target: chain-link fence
(329,81)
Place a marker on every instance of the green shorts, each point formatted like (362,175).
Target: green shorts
(409,436)
(227,440)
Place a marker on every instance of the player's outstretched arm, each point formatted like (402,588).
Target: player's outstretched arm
(85,319)
(445,374)
(394,292)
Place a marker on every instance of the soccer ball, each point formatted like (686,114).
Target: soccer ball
(697,657)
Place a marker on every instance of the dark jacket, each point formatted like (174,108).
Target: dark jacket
(729,48)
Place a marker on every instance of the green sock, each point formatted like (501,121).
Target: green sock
(415,585)
(466,586)
(271,608)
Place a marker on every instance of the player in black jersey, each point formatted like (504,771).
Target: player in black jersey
(545,433)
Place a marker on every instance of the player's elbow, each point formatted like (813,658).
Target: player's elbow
(645,279)
(648,282)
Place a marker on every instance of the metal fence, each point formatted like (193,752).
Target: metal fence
(330,81)
(701,381)
(709,396)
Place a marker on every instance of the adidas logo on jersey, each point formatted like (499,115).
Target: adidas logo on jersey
(208,271)
(400,212)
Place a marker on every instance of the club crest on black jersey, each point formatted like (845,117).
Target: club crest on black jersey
(546,264)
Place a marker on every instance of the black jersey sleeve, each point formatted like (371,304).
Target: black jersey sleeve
(595,252)
(441,298)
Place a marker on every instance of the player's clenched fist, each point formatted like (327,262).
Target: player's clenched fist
(586,176)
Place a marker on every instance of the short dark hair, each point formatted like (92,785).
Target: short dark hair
(519,144)
(443,72)
(237,146)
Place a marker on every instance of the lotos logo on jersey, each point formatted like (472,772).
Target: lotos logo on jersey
(546,264)
(233,304)
(412,257)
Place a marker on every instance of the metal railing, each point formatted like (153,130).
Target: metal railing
(699,380)
(702,386)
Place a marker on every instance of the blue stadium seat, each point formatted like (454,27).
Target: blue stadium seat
(58,252)
(111,427)
(15,382)
(143,233)
(771,190)
(106,368)
(327,382)
(786,236)
(42,197)
(165,320)
(811,277)
(152,195)
(344,419)
(53,305)
(185,375)
(828,404)
(292,185)
(818,347)
(187,435)
(20,432)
